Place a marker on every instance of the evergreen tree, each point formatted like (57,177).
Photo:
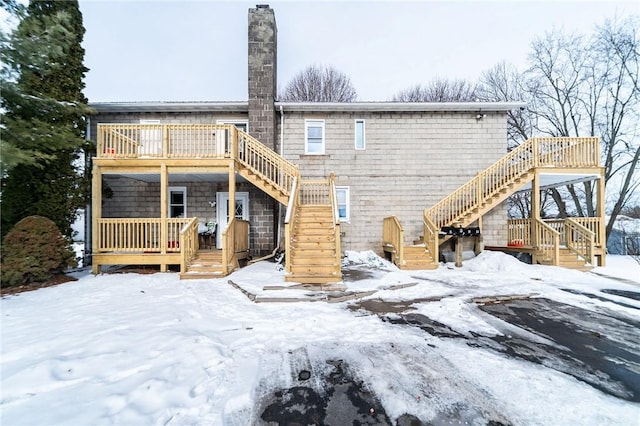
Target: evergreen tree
(44,124)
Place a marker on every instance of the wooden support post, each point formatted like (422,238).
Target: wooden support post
(96,214)
(458,252)
(232,190)
(165,141)
(535,206)
(164,207)
(601,215)
(479,241)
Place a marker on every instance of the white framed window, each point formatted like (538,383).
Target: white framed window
(224,137)
(240,124)
(314,137)
(342,193)
(177,201)
(359,134)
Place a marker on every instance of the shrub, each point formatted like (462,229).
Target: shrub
(34,250)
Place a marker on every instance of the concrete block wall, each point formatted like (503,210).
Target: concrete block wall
(410,161)
(262,73)
(134,198)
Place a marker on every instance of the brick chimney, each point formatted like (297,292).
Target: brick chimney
(262,76)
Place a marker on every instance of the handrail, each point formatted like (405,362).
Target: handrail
(235,239)
(535,152)
(188,243)
(580,240)
(431,235)
(393,235)
(294,202)
(593,225)
(263,161)
(336,216)
(228,245)
(547,241)
(333,194)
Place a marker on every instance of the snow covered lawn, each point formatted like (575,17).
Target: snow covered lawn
(132,349)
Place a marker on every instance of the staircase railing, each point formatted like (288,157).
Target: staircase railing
(580,240)
(547,242)
(431,238)
(188,243)
(235,239)
(266,163)
(393,236)
(336,217)
(292,207)
(535,152)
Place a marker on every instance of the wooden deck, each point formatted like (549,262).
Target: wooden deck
(564,158)
(195,149)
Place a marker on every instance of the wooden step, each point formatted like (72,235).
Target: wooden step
(314,278)
(314,238)
(297,259)
(200,275)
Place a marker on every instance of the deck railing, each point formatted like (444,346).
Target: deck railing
(519,232)
(535,152)
(393,236)
(315,192)
(139,235)
(235,239)
(165,140)
(189,243)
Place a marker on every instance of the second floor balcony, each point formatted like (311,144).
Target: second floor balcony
(186,141)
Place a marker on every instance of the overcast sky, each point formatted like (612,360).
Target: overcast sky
(189,51)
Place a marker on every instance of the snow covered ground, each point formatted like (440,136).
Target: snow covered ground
(132,349)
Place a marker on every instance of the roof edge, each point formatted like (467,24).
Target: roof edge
(170,106)
(400,106)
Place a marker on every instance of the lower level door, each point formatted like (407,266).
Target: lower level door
(222,211)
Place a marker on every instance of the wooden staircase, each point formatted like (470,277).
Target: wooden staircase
(491,187)
(264,168)
(206,264)
(313,246)
(567,259)
(416,257)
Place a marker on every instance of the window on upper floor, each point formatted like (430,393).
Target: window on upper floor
(359,134)
(342,193)
(314,137)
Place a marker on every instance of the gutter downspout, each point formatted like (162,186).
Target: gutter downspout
(282,155)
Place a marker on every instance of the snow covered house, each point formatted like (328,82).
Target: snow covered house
(314,179)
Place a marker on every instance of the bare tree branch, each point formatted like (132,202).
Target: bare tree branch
(319,84)
(439,90)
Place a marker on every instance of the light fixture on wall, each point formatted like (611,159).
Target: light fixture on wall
(480,116)
(212,204)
